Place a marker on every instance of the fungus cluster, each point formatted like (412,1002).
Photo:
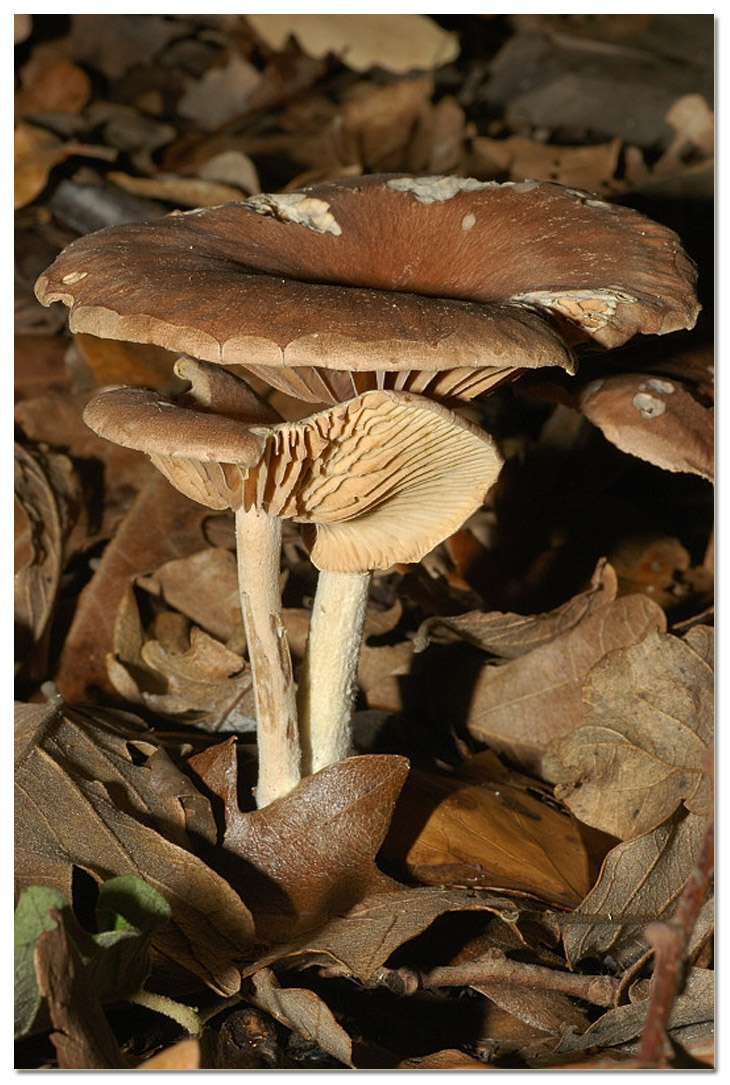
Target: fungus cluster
(389,302)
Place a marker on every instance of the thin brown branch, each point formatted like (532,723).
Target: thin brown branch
(670,941)
(495,965)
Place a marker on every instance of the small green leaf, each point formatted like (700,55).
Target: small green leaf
(128,902)
(116,958)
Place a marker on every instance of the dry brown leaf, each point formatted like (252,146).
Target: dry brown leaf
(92,794)
(134,551)
(180,672)
(304,1012)
(653,418)
(38,366)
(375,125)
(81,1033)
(512,635)
(443,1060)
(58,87)
(360,941)
(521,706)
(591,168)
(181,191)
(37,151)
(47,498)
(642,748)
(480,829)
(220,94)
(184,1055)
(23,28)
(547,1011)
(398,43)
(640,881)
(112,362)
(203,587)
(312,854)
(625,1023)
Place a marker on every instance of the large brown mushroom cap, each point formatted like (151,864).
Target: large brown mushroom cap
(381,273)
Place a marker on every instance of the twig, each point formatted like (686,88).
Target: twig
(669,940)
(495,965)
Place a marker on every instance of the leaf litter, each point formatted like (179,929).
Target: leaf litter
(486,885)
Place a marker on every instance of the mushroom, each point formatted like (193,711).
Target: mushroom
(440,285)
(379,479)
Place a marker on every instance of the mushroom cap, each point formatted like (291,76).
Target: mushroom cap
(654,418)
(381,273)
(380,479)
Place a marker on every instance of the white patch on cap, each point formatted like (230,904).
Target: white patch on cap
(294,207)
(656,385)
(437,189)
(74,277)
(591,309)
(650,406)
(468,221)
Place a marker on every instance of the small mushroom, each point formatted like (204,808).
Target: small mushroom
(439,285)
(379,479)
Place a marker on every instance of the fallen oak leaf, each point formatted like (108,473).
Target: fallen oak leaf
(303,1011)
(640,880)
(81,1033)
(311,854)
(640,752)
(359,941)
(512,635)
(83,802)
(397,43)
(522,706)
(476,828)
(132,552)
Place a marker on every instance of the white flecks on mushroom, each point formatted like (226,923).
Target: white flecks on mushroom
(468,221)
(656,385)
(650,406)
(436,189)
(74,277)
(294,207)
(591,309)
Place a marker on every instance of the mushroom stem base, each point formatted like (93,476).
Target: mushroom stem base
(328,677)
(258,545)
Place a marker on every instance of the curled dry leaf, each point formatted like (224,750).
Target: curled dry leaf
(520,707)
(640,878)
(512,635)
(304,1012)
(37,151)
(204,587)
(134,551)
(180,672)
(399,43)
(487,829)
(312,854)
(641,750)
(653,418)
(360,941)
(47,495)
(181,191)
(58,87)
(591,167)
(92,793)
(625,1023)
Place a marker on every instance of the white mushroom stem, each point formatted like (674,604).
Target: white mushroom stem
(328,678)
(258,545)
